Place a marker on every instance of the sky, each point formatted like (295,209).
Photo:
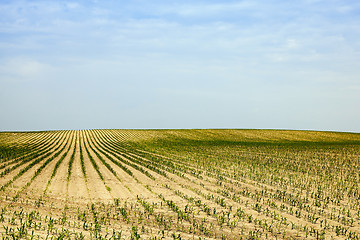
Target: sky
(264,64)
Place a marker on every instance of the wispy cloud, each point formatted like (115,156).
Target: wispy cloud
(23,69)
(202,9)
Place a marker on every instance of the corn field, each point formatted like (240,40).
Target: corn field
(179,184)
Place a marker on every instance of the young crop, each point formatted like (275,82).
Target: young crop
(71,162)
(181,184)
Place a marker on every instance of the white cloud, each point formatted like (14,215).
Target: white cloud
(210,9)
(20,69)
(292,44)
(72,5)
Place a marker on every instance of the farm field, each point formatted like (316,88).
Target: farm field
(179,184)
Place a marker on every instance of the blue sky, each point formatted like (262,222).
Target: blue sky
(180,64)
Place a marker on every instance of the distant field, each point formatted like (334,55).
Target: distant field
(179,184)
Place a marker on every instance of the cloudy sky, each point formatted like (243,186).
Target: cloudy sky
(180,64)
